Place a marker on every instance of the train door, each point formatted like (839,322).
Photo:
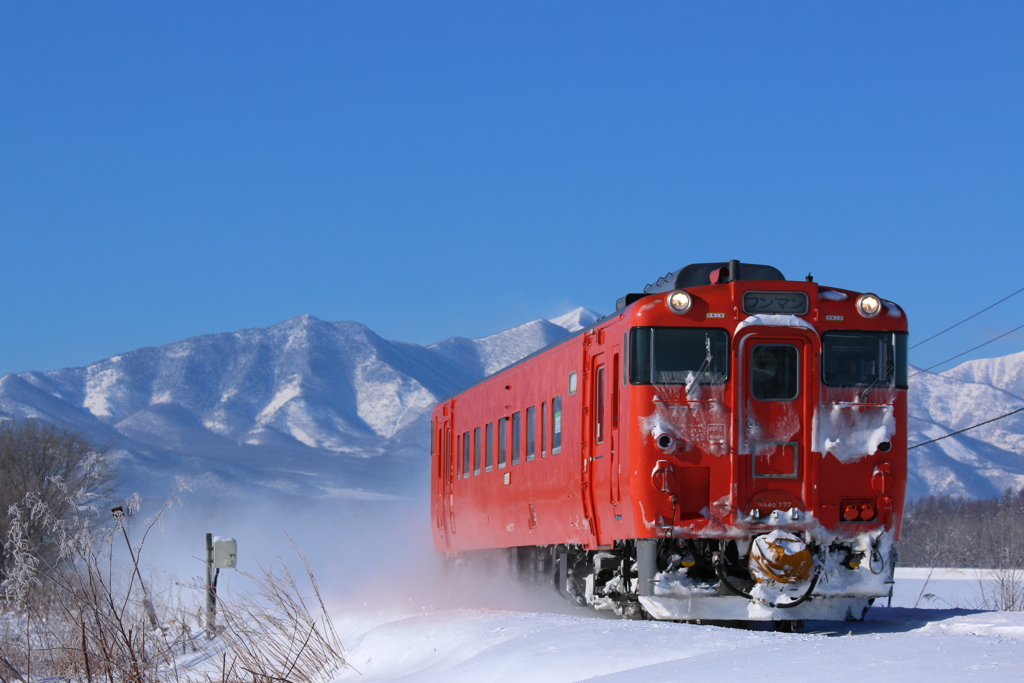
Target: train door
(601,439)
(615,401)
(778,394)
(444,441)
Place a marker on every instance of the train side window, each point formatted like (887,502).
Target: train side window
(677,355)
(463,445)
(572,382)
(502,441)
(625,354)
(640,355)
(489,446)
(543,428)
(531,433)
(902,361)
(556,425)
(458,460)
(599,404)
(615,392)
(517,436)
(477,455)
(775,372)
(446,446)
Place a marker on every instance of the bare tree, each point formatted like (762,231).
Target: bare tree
(48,461)
(952,531)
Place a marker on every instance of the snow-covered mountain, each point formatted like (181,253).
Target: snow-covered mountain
(305,407)
(314,409)
(982,462)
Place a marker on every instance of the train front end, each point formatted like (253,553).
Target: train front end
(768,448)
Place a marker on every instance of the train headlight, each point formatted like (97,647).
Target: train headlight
(869,305)
(679,301)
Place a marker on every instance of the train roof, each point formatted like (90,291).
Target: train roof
(698,274)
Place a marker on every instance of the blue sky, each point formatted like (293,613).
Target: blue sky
(439,169)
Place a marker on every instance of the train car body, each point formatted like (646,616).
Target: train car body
(727,445)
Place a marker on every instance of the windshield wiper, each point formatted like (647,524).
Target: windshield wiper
(878,378)
(703,369)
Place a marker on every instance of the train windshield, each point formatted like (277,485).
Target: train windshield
(678,355)
(855,359)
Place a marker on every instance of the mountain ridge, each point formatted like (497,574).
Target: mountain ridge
(311,408)
(306,389)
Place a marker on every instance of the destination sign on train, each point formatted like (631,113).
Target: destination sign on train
(793,303)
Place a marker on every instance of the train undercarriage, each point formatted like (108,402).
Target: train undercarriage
(781,577)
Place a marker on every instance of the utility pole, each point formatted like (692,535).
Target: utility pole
(211,591)
(221,553)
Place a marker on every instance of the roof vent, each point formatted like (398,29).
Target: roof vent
(697,274)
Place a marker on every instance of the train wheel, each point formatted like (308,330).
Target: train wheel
(633,610)
(789,625)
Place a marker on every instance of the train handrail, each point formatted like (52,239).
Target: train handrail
(682,401)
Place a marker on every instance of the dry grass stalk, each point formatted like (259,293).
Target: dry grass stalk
(74,616)
(83,617)
(1001,589)
(274,635)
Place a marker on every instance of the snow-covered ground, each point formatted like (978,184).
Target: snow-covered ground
(401,619)
(942,638)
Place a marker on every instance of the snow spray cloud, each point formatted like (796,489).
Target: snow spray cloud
(376,552)
(348,542)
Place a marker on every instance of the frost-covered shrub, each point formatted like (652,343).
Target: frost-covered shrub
(70,610)
(60,468)
(84,614)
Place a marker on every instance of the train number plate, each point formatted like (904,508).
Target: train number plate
(791,303)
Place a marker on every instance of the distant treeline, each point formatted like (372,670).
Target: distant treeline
(951,531)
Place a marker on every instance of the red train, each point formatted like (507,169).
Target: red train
(728,445)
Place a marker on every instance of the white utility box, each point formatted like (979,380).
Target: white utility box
(225,553)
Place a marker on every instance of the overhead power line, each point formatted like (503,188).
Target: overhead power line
(967,351)
(966,319)
(966,429)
